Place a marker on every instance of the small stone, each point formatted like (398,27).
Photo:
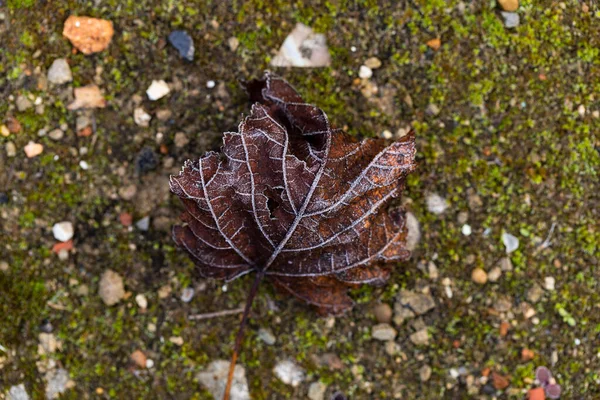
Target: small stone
(210,84)
(58,382)
(511,19)
(146,161)
(157,90)
(432,110)
(419,303)
(13,125)
(466,230)
(88,96)
(420,337)
(164,292)
(139,358)
(17,392)
(84,165)
(387,134)
(549,283)
(163,114)
(503,304)
(383,332)
(23,103)
(143,224)
(111,288)
(59,72)
(33,149)
(289,373)
(316,391)
(183,43)
(88,35)
(401,314)
(536,394)
(214,379)
(82,122)
(141,117)
(506,264)
(181,140)
(365,72)
(479,276)
(383,313)
(4,130)
(494,274)
(267,336)
(392,348)
(436,204)
(63,231)
(527,354)
(4,266)
(128,192)
(425,373)
(373,62)
(434,44)
(509,5)
(510,242)
(233,43)
(535,293)
(413,237)
(48,344)
(187,294)
(432,271)
(500,382)
(56,134)
(149,363)
(141,301)
(11,149)
(176,340)
(303,48)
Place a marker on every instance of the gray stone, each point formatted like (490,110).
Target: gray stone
(289,373)
(17,392)
(506,264)
(303,48)
(511,19)
(23,103)
(420,337)
(425,373)
(401,314)
(60,72)
(495,274)
(436,204)
(413,236)
(143,224)
(214,379)
(383,332)
(316,390)
(184,44)
(57,382)
(267,336)
(511,242)
(419,303)
(535,293)
(432,109)
(56,134)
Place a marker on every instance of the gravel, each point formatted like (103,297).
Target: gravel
(419,303)
(289,373)
(157,90)
(266,335)
(436,204)
(63,231)
(383,332)
(59,72)
(510,242)
(316,391)
(214,379)
(111,288)
(183,42)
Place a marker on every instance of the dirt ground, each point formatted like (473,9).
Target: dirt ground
(507,123)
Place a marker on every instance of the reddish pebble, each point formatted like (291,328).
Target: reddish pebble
(164,149)
(85,132)
(536,394)
(139,358)
(485,372)
(504,328)
(527,354)
(13,125)
(58,247)
(500,382)
(126,219)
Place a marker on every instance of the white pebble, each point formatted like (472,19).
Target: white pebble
(187,294)
(289,373)
(149,363)
(63,231)
(436,204)
(466,230)
(386,134)
(141,301)
(353,49)
(141,117)
(157,90)
(210,84)
(510,242)
(549,283)
(84,165)
(365,72)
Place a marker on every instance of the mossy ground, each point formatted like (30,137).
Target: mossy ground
(510,129)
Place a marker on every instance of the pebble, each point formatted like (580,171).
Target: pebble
(33,149)
(383,332)
(214,379)
(141,301)
(23,103)
(510,242)
(59,72)
(479,276)
(549,283)
(158,89)
(535,293)
(436,204)
(163,114)
(420,337)
(187,294)
(365,72)
(17,392)
(494,274)
(210,84)
(58,382)
(413,236)
(289,373)
(88,96)
(4,266)
(386,134)
(88,35)
(141,117)
(419,303)
(506,264)
(139,358)
(128,192)
(63,231)
(432,110)
(176,340)
(82,122)
(13,125)
(383,313)
(56,134)
(267,336)
(466,230)
(11,149)
(48,343)
(303,48)
(184,44)
(511,19)
(4,130)
(536,394)
(143,224)
(500,382)
(509,5)
(84,165)
(425,373)
(181,140)
(146,161)
(316,391)
(233,43)
(392,348)
(373,62)
(111,288)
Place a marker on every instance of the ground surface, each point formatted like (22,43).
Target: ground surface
(514,148)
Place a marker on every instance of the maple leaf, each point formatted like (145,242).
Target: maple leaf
(297,202)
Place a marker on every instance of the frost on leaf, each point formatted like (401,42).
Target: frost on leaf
(295,200)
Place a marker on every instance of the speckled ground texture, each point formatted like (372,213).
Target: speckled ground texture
(514,148)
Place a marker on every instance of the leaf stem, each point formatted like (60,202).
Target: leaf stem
(240,334)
